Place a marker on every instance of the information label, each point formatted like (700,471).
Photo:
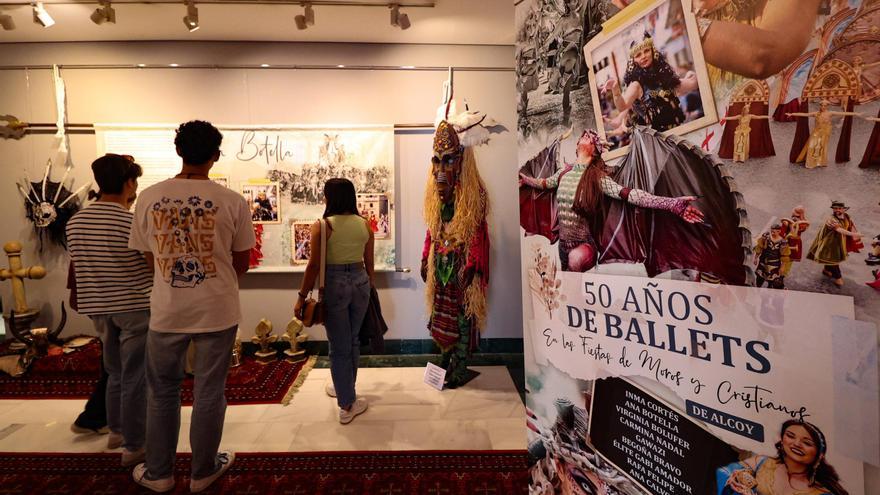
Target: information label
(435,376)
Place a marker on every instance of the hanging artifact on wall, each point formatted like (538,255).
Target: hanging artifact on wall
(50,205)
(455,259)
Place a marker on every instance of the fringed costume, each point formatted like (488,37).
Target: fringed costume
(455,259)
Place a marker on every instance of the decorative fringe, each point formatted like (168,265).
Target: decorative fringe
(300,379)
(430,280)
(475,303)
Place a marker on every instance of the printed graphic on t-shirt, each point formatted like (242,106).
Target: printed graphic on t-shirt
(184,237)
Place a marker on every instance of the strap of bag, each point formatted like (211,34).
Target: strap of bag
(323,269)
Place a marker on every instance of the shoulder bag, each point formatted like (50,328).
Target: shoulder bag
(313,310)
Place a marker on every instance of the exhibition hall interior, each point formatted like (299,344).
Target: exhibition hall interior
(580,247)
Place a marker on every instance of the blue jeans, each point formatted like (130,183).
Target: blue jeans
(166,359)
(124,336)
(346,297)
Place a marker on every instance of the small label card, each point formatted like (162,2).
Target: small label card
(434,376)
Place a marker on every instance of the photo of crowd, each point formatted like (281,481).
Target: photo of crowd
(301,234)
(306,187)
(374,208)
(648,74)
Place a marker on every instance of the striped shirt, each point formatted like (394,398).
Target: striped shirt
(110,277)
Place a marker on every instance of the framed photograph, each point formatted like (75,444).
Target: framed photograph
(301,245)
(374,207)
(220,179)
(262,197)
(649,71)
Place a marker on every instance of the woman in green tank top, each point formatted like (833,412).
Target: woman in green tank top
(348,280)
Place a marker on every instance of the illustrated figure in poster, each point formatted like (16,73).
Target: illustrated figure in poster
(799,467)
(579,191)
(815,152)
(836,239)
(741,134)
(793,229)
(651,88)
(455,259)
(772,258)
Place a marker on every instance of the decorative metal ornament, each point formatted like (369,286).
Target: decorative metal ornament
(14,128)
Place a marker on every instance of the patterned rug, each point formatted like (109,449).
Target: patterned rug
(73,376)
(325,473)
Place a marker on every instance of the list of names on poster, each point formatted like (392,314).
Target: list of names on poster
(649,439)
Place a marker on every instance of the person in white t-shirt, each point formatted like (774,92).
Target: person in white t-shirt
(198,236)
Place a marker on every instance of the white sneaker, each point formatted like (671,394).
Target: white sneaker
(330,390)
(161,486)
(225,458)
(359,406)
(114,440)
(132,457)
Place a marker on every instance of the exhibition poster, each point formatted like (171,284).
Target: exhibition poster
(701,294)
(280,171)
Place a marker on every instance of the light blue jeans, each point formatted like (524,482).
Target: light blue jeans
(124,336)
(346,297)
(166,360)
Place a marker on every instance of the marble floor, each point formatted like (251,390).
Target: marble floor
(404,414)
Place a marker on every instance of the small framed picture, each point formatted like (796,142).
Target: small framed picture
(262,197)
(301,245)
(374,208)
(649,71)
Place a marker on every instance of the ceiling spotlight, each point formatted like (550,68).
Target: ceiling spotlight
(191,19)
(104,13)
(307,18)
(7,22)
(42,17)
(397,18)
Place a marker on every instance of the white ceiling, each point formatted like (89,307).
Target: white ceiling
(482,22)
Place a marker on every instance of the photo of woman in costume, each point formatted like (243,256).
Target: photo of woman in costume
(799,467)
(645,74)
(579,192)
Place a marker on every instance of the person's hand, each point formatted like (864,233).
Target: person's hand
(690,77)
(609,85)
(298,307)
(690,214)
(424,270)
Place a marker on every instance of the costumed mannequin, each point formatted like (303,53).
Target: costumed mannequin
(455,259)
(815,152)
(657,180)
(837,238)
(578,193)
(741,134)
(652,88)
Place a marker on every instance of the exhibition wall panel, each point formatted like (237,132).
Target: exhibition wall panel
(100,90)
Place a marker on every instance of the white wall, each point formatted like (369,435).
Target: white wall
(269,96)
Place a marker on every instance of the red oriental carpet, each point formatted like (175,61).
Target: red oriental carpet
(73,376)
(324,473)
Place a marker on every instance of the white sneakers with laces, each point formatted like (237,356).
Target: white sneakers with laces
(359,406)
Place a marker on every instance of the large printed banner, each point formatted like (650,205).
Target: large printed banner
(701,295)
(281,171)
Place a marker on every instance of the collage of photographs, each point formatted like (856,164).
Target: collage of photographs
(732,142)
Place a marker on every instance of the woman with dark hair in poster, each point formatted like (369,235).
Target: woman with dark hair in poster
(799,467)
(652,88)
(579,193)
